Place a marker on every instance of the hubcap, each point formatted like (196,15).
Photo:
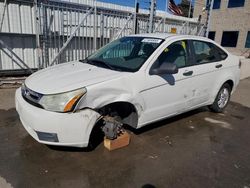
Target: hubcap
(223,98)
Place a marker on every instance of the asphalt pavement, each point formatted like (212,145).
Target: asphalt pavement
(195,149)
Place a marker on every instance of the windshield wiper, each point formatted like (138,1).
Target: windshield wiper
(93,61)
(83,60)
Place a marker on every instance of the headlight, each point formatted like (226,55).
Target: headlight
(63,102)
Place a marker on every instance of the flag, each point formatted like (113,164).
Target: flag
(172,7)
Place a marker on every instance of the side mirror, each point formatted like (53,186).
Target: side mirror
(165,68)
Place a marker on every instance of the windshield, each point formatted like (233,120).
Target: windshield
(125,54)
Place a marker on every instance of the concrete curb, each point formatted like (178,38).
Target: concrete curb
(245,68)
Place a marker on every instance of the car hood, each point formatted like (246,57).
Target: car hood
(68,76)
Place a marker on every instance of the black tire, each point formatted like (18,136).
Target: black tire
(222,99)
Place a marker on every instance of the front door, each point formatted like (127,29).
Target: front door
(165,95)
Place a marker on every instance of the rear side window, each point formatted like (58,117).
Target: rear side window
(206,52)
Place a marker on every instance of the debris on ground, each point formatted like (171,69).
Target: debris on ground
(167,140)
(153,156)
(236,166)
(11,82)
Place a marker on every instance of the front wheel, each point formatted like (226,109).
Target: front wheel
(222,99)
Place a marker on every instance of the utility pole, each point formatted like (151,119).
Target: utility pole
(95,25)
(209,14)
(152,14)
(135,17)
(37,25)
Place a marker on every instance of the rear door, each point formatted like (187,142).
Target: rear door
(207,62)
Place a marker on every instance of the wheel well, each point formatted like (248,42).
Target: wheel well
(231,83)
(125,110)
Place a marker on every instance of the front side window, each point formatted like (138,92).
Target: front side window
(206,52)
(236,3)
(247,45)
(229,38)
(125,54)
(175,53)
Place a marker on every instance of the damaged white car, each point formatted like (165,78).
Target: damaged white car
(140,79)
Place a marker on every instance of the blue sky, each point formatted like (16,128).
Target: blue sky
(161,4)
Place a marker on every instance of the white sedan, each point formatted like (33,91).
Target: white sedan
(139,78)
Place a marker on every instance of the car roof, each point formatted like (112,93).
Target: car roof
(170,35)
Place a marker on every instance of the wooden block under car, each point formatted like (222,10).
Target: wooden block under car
(121,141)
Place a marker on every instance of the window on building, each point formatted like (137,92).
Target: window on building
(229,38)
(247,45)
(211,35)
(236,3)
(216,4)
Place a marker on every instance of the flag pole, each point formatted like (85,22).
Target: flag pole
(167,2)
(190,6)
(135,15)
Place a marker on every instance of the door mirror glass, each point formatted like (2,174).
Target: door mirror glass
(165,68)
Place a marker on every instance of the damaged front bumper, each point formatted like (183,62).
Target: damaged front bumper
(53,128)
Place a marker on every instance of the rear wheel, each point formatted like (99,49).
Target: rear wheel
(222,98)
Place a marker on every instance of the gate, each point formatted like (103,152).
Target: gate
(67,31)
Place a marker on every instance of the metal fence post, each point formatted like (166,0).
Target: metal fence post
(37,30)
(101,31)
(45,37)
(95,25)
(151,17)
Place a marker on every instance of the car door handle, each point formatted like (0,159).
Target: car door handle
(218,66)
(188,73)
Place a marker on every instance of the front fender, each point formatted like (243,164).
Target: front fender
(98,97)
